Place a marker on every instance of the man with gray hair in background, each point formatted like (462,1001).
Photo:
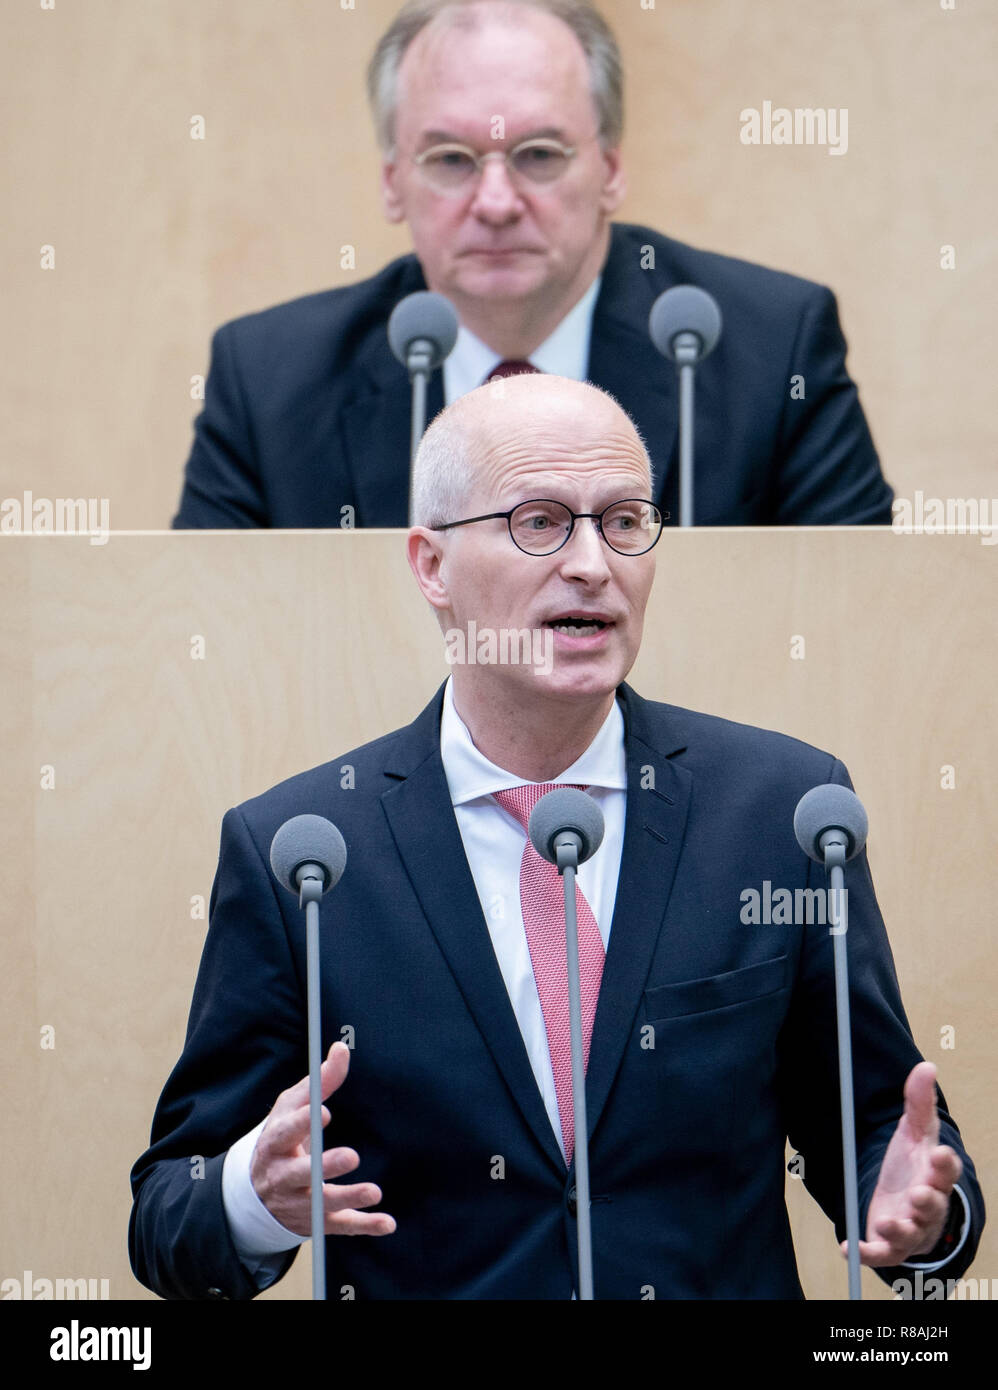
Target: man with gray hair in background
(707,1044)
(500,125)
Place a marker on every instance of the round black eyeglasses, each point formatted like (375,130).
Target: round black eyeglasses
(542,526)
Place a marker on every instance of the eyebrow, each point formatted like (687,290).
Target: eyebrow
(540,495)
(447,137)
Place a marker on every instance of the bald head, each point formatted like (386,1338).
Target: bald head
(502,436)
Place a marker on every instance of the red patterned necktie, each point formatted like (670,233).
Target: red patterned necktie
(542,900)
(513,368)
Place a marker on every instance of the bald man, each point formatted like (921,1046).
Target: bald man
(708,1043)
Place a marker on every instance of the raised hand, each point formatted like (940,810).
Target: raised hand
(280,1169)
(910,1203)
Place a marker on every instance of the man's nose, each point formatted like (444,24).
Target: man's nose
(496,196)
(585,553)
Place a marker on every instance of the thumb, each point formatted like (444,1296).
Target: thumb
(920,1101)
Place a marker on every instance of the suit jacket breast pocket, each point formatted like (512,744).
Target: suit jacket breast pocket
(715,992)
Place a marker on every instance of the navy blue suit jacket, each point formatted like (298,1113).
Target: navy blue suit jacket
(307,412)
(713,1040)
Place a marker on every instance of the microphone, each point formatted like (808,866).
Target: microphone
(685,326)
(422,332)
(566,829)
(831,828)
(830,815)
(308,847)
(308,856)
(566,820)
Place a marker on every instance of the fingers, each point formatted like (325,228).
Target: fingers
(873,1253)
(287,1125)
(332,1074)
(342,1202)
(342,1217)
(896,1243)
(356,1223)
(946,1166)
(295,1174)
(896,1239)
(343,1205)
(286,1132)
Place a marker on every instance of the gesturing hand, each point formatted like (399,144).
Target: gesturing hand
(280,1167)
(909,1206)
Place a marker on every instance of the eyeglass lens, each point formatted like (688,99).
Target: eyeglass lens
(539,161)
(541,527)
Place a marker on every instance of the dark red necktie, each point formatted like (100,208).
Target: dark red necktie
(514,368)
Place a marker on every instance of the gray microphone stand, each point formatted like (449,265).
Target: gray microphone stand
(687,352)
(567,848)
(307,857)
(421,358)
(835,846)
(310,878)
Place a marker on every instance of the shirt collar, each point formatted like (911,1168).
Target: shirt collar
(564,353)
(471,775)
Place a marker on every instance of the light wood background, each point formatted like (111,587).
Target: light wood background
(149,748)
(159,238)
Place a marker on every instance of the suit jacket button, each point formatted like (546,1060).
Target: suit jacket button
(216,1293)
(572,1201)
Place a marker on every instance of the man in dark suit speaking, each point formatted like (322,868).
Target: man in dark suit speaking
(500,125)
(709,1041)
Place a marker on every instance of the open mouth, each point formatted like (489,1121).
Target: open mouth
(577,626)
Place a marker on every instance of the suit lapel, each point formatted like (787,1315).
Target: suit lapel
(623,360)
(425,831)
(657,806)
(376,425)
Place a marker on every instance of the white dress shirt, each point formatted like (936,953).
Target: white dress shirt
(565,353)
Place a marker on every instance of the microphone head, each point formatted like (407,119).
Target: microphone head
(308,840)
(426,315)
(830,807)
(565,808)
(684,309)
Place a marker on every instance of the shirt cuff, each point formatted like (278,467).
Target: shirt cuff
(964,1232)
(256,1233)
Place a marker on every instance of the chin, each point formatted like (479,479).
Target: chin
(512,280)
(577,685)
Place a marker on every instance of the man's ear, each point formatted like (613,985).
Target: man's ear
(614,181)
(425,553)
(391,197)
